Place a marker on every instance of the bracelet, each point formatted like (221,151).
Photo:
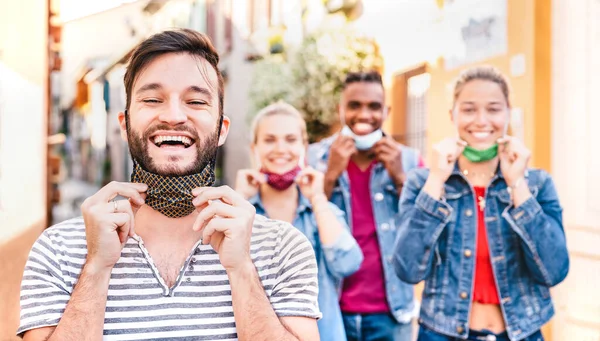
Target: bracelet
(511,189)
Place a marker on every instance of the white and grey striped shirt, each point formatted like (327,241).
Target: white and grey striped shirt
(141,307)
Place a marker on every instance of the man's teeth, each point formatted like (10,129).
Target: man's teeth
(183,139)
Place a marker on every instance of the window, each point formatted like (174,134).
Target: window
(416,112)
(409,108)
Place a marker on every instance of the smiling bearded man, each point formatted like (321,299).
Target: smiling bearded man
(177,259)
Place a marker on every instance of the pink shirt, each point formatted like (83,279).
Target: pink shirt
(364,291)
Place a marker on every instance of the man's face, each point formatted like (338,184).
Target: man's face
(362,107)
(173,121)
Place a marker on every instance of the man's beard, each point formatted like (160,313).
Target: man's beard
(206,150)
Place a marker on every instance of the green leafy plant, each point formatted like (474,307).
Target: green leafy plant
(311,76)
(271,81)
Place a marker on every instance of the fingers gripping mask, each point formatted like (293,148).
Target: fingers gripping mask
(172,195)
(363,142)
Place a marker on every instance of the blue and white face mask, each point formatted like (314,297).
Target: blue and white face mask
(363,142)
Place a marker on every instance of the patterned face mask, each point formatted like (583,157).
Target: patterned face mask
(283,181)
(172,195)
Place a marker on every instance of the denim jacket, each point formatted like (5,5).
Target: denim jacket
(335,261)
(437,243)
(385,198)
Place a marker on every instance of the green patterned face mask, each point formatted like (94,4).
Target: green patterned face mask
(476,155)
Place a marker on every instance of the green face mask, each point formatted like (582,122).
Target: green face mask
(476,155)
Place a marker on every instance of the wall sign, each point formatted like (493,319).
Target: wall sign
(475,30)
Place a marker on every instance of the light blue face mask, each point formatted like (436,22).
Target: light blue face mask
(363,142)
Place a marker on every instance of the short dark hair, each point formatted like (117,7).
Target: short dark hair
(172,41)
(363,76)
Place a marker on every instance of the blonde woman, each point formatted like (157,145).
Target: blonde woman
(281,187)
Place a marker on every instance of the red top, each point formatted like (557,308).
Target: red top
(485,290)
(364,291)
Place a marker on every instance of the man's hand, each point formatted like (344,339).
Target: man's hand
(226,221)
(339,155)
(108,224)
(389,152)
(340,152)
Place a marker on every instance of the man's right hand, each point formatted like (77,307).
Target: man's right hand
(339,155)
(248,181)
(108,224)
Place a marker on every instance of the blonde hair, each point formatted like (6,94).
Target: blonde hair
(277,108)
(486,73)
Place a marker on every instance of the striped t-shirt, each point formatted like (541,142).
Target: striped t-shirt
(141,307)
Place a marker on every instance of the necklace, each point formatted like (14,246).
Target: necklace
(480,199)
(466,172)
(481,202)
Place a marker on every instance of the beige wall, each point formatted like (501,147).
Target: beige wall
(576,162)
(22,145)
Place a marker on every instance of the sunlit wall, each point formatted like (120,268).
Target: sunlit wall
(23,133)
(22,115)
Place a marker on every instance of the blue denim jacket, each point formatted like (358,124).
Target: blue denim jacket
(385,198)
(335,261)
(437,239)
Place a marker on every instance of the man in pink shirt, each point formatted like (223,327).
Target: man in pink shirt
(364,174)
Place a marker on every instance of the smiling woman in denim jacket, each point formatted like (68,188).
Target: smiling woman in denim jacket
(282,188)
(483,230)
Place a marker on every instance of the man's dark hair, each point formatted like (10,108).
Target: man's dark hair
(172,41)
(365,76)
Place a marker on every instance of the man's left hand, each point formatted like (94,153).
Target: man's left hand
(226,221)
(389,152)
